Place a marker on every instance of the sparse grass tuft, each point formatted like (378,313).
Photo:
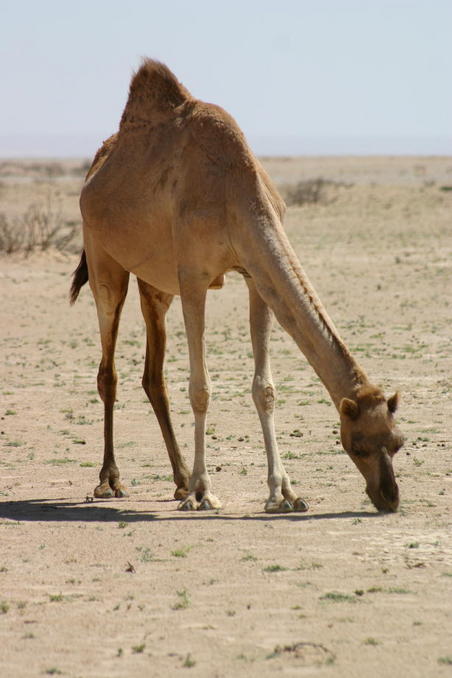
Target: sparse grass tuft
(189,662)
(274,568)
(371,641)
(138,649)
(183,600)
(182,552)
(338,597)
(398,589)
(248,557)
(145,554)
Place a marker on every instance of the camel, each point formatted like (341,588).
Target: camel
(177,198)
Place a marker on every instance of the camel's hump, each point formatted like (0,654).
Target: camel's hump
(153,88)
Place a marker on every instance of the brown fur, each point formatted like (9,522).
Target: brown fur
(369,396)
(102,154)
(178,198)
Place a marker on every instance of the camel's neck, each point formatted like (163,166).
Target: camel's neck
(280,280)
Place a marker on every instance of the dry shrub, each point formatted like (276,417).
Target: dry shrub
(41,227)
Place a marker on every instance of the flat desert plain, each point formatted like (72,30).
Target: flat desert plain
(132,587)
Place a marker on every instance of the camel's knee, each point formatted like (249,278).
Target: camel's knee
(199,397)
(263,394)
(106,382)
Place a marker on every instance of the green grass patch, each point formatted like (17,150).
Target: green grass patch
(248,557)
(182,552)
(274,568)
(189,662)
(183,600)
(336,597)
(138,649)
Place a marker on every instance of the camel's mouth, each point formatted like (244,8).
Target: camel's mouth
(385,502)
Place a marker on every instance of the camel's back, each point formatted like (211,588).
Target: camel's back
(171,150)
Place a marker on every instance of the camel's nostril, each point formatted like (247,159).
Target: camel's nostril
(391,506)
(382,501)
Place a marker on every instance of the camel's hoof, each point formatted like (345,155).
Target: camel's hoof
(209,504)
(188,504)
(103,491)
(300,505)
(284,506)
(121,492)
(180,493)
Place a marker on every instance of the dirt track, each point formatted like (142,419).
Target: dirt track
(340,591)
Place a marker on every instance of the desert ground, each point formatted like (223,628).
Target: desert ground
(132,587)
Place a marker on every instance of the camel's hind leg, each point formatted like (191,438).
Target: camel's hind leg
(154,305)
(108,282)
(282,497)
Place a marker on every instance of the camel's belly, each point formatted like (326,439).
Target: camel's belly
(150,257)
(159,274)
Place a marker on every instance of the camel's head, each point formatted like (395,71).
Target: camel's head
(371,438)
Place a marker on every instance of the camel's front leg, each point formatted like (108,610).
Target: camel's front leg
(193,296)
(282,497)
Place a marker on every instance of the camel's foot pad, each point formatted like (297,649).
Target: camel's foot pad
(104,491)
(286,506)
(194,502)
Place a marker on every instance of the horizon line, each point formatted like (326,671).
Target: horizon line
(84,145)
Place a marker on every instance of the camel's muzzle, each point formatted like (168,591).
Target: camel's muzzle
(385,496)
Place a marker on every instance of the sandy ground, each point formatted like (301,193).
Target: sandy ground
(132,587)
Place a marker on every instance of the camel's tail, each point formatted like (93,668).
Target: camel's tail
(154,90)
(79,278)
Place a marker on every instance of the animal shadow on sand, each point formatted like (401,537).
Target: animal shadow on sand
(66,510)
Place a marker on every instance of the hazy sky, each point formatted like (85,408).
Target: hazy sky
(300,76)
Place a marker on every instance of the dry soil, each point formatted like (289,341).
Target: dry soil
(132,587)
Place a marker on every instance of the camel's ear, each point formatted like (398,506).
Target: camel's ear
(349,408)
(393,402)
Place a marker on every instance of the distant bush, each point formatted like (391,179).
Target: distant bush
(45,170)
(83,168)
(310,191)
